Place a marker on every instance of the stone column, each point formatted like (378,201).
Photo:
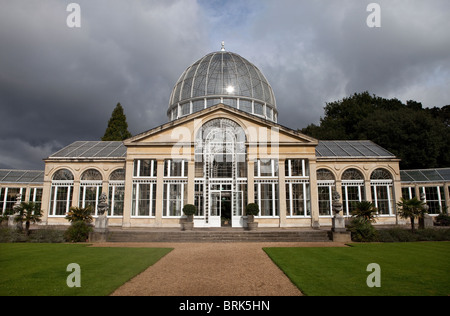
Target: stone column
(191,182)
(282,191)
(314,194)
(447,196)
(128,195)
(75,193)
(45,203)
(159,192)
(368,191)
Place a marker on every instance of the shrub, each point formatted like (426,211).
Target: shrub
(443,220)
(362,230)
(252,209)
(399,234)
(79,214)
(46,236)
(78,232)
(189,210)
(365,210)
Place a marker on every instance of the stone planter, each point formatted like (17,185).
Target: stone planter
(187,226)
(252,226)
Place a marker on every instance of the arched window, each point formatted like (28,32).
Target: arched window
(63,175)
(90,189)
(116,192)
(352,189)
(61,192)
(325,186)
(381,185)
(220,173)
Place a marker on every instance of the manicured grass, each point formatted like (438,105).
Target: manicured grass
(40,269)
(407,269)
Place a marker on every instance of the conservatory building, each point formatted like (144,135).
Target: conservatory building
(221,149)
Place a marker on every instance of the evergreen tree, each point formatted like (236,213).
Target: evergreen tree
(419,137)
(117,129)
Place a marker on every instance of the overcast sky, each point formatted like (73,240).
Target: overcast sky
(60,84)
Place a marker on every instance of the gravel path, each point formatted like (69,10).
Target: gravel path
(212,269)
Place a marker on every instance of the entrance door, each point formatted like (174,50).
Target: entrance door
(221,209)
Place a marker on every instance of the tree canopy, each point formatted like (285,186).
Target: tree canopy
(117,129)
(419,136)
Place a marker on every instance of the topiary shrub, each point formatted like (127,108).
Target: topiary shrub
(189,210)
(252,209)
(78,232)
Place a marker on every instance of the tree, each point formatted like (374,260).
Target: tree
(412,208)
(419,137)
(29,212)
(117,129)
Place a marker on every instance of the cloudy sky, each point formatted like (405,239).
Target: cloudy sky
(60,84)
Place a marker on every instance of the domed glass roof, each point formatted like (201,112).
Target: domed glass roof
(222,77)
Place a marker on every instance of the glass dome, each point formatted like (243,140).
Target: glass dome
(223,77)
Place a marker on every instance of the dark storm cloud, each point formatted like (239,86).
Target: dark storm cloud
(58,84)
(315,52)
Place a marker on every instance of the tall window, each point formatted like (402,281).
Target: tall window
(9,198)
(90,189)
(435,198)
(325,184)
(36,196)
(298,198)
(175,196)
(199,198)
(175,168)
(266,186)
(61,193)
(144,198)
(144,188)
(175,187)
(382,191)
(116,192)
(144,168)
(352,189)
(408,192)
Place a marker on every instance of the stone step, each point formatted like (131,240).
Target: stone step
(218,236)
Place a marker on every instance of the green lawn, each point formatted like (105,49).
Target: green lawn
(410,269)
(40,269)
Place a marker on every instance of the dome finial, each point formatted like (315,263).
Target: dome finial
(223,46)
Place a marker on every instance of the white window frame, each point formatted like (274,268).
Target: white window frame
(306,193)
(388,185)
(60,184)
(135,199)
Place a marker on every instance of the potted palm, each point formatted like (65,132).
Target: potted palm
(252,210)
(189,210)
(28,212)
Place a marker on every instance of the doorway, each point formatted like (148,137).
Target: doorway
(221,208)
